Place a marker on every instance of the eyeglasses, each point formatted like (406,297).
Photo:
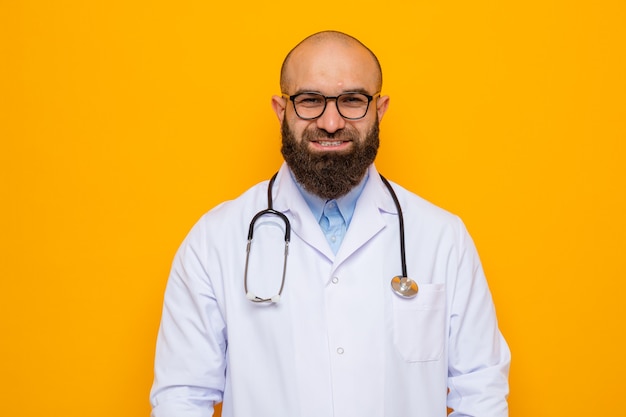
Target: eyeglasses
(351,106)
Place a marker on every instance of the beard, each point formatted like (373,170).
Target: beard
(329,175)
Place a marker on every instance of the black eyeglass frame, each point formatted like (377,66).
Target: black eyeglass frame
(336,98)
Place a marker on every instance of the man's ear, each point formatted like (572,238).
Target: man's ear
(381,106)
(278,105)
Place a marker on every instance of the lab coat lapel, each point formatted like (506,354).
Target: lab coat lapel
(367,220)
(289,200)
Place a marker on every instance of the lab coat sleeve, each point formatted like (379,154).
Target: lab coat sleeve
(190,354)
(478,356)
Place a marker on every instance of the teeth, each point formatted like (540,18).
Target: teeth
(327,143)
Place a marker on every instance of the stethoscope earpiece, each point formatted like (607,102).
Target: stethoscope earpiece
(268,211)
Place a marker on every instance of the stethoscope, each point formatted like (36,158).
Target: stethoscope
(402,285)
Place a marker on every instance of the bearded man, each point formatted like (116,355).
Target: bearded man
(318,317)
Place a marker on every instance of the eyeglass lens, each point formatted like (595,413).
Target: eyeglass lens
(349,105)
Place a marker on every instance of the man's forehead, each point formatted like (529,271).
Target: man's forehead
(334,61)
(338,49)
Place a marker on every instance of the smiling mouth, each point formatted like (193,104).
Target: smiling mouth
(326,143)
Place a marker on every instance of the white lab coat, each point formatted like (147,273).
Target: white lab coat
(340,342)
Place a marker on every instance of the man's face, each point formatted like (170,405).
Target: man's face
(329,155)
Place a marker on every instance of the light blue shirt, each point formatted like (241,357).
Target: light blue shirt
(334,216)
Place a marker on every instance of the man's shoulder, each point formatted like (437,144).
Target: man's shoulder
(414,201)
(417,210)
(249,200)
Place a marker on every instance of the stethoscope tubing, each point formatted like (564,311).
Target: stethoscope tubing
(400,223)
(401,286)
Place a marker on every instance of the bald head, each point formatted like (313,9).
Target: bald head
(343,46)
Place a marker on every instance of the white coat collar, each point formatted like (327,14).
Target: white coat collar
(367,221)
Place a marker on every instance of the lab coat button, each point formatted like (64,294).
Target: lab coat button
(335,280)
(340,350)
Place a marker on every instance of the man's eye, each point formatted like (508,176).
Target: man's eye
(310,100)
(354,100)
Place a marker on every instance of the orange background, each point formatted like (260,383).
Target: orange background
(121,122)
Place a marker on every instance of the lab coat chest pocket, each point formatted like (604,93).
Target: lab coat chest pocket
(419,324)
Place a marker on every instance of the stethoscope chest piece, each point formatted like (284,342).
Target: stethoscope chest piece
(404,287)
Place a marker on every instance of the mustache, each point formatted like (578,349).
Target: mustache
(315,134)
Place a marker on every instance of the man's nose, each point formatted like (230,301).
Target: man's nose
(331,120)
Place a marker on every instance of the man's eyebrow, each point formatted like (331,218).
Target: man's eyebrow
(306,90)
(358,90)
(347,90)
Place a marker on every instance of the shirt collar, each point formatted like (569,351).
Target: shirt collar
(346,203)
